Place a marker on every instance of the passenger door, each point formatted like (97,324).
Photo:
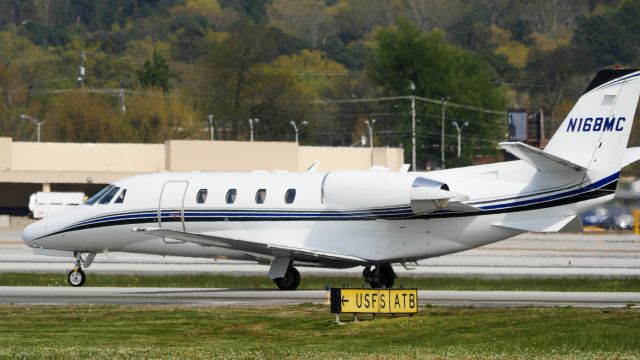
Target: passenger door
(171,206)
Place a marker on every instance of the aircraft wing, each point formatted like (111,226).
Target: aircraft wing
(304,254)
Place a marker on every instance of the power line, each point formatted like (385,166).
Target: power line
(409,97)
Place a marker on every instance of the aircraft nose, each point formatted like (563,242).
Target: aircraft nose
(31,233)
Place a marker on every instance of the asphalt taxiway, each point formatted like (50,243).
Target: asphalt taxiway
(201,296)
(607,255)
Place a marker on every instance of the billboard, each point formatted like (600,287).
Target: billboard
(517,125)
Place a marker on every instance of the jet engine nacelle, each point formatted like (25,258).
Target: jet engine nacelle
(354,190)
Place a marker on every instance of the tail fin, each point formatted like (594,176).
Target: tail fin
(594,135)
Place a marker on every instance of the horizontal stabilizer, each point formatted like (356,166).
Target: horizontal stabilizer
(540,225)
(250,246)
(539,159)
(630,156)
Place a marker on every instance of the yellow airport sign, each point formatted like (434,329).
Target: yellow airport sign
(374,301)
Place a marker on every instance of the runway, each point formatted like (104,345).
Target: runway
(248,297)
(529,255)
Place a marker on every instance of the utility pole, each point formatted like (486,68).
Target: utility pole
(444,100)
(81,75)
(123,106)
(251,123)
(210,118)
(455,123)
(412,86)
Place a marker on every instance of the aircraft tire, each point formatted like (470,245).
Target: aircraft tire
(290,281)
(384,279)
(76,278)
(387,276)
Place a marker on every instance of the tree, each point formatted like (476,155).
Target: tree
(79,116)
(405,55)
(613,37)
(313,69)
(304,18)
(236,84)
(155,119)
(23,66)
(563,72)
(188,40)
(155,74)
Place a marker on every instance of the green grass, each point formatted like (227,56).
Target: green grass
(319,282)
(309,332)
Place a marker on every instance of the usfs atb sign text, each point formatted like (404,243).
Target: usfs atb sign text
(374,301)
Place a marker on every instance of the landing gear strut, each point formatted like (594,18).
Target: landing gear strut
(382,276)
(290,281)
(76,276)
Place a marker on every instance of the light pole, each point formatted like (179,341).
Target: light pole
(210,118)
(251,123)
(412,86)
(455,123)
(444,100)
(35,121)
(295,127)
(370,127)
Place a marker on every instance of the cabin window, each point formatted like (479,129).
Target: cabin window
(290,196)
(231,196)
(261,195)
(98,195)
(120,198)
(109,195)
(202,196)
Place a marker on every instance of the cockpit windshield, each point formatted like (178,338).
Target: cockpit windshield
(109,195)
(98,195)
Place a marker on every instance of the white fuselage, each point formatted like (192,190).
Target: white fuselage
(503,193)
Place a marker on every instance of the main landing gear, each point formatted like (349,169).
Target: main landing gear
(76,276)
(290,281)
(382,276)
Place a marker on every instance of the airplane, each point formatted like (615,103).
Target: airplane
(373,218)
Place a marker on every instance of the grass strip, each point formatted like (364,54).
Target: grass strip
(631,284)
(309,332)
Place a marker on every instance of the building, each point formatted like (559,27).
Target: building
(28,167)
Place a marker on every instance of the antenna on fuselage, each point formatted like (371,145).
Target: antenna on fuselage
(313,166)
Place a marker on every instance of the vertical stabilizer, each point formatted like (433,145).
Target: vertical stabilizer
(595,133)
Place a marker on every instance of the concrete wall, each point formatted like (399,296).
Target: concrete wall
(190,155)
(330,159)
(27,167)
(135,158)
(29,162)
(5,154)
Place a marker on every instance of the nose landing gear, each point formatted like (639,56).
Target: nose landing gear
(382,276)
(76,276)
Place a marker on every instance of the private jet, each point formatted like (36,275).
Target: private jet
(372,219)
